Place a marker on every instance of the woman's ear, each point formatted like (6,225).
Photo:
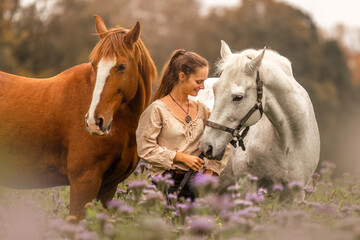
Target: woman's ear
(182,77)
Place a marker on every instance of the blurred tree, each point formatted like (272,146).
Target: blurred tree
(166,25)
(42,41)
(8,10)
(56,37)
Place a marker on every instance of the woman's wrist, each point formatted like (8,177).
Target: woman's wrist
(178,157)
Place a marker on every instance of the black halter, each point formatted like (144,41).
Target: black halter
(238,137)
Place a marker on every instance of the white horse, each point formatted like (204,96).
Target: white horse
(283,144)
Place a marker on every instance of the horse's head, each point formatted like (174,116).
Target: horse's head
(235,94)
(115,63)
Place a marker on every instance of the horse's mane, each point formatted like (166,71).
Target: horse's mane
(112,44)
(239,59)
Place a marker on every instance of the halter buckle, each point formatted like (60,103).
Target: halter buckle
(258,105)
(235,133)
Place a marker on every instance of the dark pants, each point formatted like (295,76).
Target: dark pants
(188,190)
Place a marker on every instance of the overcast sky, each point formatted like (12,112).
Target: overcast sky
(325,13)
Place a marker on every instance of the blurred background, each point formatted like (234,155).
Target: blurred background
(44,37)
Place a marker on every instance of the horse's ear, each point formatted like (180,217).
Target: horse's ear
(133,35)
(225,50)
(254,63)
(100,26)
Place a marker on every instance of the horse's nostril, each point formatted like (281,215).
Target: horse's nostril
(86,120)
(209,151)
(100,122)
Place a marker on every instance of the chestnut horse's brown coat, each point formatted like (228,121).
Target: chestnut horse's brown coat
(43,138)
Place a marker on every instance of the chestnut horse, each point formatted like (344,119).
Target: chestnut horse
(44,141)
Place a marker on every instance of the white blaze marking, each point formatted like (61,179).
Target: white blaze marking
(104,67)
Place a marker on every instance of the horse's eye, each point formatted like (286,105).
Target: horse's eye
(121,67)
(237,98)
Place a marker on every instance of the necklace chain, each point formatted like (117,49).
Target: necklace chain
(187,118)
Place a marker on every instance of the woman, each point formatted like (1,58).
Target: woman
(170,129)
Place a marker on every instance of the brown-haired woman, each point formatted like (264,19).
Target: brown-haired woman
(170,129)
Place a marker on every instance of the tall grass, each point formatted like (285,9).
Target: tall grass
(329,210)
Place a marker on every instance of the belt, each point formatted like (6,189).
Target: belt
(176,173)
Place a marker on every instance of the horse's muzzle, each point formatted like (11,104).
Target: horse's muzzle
(210,152)
(97,127)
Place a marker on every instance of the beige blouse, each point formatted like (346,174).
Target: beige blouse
(160,134)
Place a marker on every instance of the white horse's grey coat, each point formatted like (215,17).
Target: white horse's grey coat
(281,146)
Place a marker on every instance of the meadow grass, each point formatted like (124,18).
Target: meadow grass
(329,210)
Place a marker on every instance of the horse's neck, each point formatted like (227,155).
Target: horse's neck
(286,106)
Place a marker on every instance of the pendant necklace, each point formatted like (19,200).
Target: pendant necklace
(187,118)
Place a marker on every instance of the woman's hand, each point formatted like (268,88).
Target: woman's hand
(193,162)
(210,172)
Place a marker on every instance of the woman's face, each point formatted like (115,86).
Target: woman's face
(194,82)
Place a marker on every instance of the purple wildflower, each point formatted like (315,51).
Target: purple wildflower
(252,178)
(137,187)
(152,198)
(137,184)
(108,229)
(120,207)
(233,188)
(327,169)
(71,229)
(205,183)
(262,191)
(312,204)
(121,191)
(328,164)
(184,209)
(102,217)
(216,202)
(277,187)
(172,196)
(243,202)
(325,208)
(86,236)
(287,217)
(249,212)
(202,225)
(255,197)
(315,177)
(141,167)
(163,182)
(309,189)
(296,185)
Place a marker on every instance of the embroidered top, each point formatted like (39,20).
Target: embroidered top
(160,134)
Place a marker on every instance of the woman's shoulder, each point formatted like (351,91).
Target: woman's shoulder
(156,104)
(203,110)
(157,107)
(202,106)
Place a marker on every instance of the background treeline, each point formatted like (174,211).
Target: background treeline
(47,37)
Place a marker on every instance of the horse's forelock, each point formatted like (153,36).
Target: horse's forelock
(232,62)
(238,60)
(112,44)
